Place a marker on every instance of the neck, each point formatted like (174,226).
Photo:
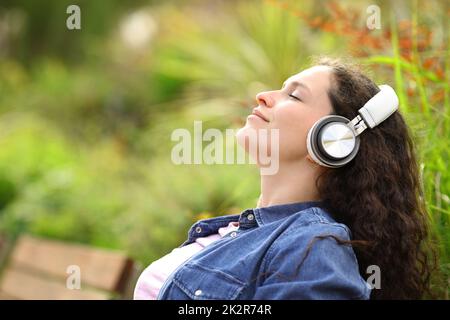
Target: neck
(294,182)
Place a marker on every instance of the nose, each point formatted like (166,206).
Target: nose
(265,99)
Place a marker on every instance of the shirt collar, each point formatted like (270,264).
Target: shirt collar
(265,215)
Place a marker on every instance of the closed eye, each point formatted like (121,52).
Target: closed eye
(296,98)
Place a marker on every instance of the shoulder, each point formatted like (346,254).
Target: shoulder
(314,231)
(310,251)
(315,221)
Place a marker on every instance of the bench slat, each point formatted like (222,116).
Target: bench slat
(21,285)
(5,296)
(99,268)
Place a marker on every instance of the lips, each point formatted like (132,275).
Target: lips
(258,113)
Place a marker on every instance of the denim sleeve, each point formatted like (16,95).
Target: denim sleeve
(329,271)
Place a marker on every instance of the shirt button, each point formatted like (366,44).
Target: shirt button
(198,292)
(198,229)
(250,217)
(233,234)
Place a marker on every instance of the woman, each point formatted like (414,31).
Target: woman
(317,232)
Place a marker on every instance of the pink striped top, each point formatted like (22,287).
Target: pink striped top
(153,277)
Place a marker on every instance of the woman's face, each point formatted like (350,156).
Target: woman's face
(293,109)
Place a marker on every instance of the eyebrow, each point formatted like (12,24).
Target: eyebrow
(298,84)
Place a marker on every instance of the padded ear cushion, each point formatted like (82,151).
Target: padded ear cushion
(317,152)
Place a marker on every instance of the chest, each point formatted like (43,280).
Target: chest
(230,268)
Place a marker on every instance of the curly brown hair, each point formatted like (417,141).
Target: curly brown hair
(378,195)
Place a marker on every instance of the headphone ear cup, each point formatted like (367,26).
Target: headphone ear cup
(316,148)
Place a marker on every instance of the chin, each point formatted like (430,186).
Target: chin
(243,136)
(257,142)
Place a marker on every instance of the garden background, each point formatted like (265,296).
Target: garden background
(86,115)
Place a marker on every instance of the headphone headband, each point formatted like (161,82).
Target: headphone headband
(380,106)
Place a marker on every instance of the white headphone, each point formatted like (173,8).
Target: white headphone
(333,141)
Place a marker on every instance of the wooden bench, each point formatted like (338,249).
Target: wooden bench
(38,269)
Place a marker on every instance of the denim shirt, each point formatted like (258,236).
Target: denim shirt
(263,258)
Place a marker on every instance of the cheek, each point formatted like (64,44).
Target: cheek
(294,126)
